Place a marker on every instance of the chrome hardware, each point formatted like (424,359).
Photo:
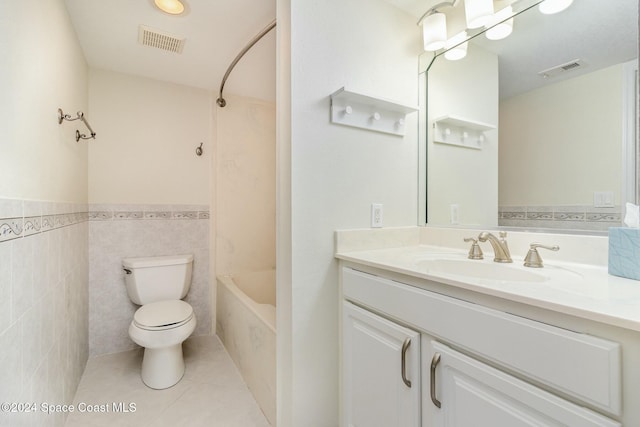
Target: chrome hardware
(474,252)
(199,150)
(434,364)
(533,258)
(403,370)
(500,247)
(221,101)
(80,116)
(127,271)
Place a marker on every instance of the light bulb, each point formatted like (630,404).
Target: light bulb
(500,26)
(456,47)
(172,7)
(549,7)
(478,12)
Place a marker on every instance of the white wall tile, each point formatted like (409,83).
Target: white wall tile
(21,276)
(44,310)
(11,370)
(5,286)
(112,239)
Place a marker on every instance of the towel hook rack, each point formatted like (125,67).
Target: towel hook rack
(80,116)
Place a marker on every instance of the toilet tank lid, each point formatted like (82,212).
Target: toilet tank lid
(158,261)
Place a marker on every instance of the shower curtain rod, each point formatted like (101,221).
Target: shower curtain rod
(220,101)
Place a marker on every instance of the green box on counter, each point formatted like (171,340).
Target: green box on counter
(624,252)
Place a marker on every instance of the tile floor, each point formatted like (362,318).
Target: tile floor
(211,393)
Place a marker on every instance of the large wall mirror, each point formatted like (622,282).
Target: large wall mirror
(537,130)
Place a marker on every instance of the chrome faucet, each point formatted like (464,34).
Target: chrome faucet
(500,247)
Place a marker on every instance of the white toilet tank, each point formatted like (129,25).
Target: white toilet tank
(153,279)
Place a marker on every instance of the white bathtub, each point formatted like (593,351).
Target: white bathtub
(246,324)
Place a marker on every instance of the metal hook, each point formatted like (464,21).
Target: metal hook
(199,150)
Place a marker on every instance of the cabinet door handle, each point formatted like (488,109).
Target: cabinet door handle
(403,368)
(434,365)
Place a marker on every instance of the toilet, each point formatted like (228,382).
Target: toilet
(163,321)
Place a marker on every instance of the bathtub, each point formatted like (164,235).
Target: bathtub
(246,324)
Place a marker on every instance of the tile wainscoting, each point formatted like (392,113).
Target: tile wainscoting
(121,231)
(560,217)
(43,305)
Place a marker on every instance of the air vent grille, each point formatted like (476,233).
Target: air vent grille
(160,39)
(562,68)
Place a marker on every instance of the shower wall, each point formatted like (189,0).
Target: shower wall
(245,185)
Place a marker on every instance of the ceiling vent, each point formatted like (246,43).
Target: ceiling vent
(160,39)
(562,68)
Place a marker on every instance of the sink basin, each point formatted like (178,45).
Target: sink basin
(481,270)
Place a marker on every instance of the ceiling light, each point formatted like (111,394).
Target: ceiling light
(434,31)
(549,7)
(478,12)
(456,47)
(500,26)
(172,7)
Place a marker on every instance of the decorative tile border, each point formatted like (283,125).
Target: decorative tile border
(573,217)
(132,212)
(17,219)
(127,215)
(16,227)
(10,228)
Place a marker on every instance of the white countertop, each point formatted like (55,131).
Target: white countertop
(580,290)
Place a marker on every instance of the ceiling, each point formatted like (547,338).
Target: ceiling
(215,31)
(588,30)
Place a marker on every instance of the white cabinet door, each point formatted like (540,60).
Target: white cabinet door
(473,394)
(380,371)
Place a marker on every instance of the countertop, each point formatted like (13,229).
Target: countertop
(580,290)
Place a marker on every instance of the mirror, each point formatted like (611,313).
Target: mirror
(536,130)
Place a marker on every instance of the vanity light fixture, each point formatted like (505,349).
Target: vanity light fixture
(478,12)
(434,27)
(500,25)
(549,7)
(172,7)
(434,31)
(456,47)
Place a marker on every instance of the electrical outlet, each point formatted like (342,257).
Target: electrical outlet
(376,215)
(455,214)
(603,199)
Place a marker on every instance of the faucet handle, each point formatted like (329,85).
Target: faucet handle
(503,234)
(533,258)
(474,252)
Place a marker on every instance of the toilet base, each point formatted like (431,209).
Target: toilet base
(162,367)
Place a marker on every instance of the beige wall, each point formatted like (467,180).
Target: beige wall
(42,70)
(560,143)
(245,185)
(148,131)
(457,175)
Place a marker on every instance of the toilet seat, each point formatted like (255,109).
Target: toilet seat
(162,315)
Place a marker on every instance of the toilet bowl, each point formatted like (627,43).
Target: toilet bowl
(163,321)
(160,328)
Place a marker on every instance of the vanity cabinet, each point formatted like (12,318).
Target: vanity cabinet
(479,366)
(472,393)
(381,371)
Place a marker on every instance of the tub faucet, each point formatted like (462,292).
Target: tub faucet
(500,247)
